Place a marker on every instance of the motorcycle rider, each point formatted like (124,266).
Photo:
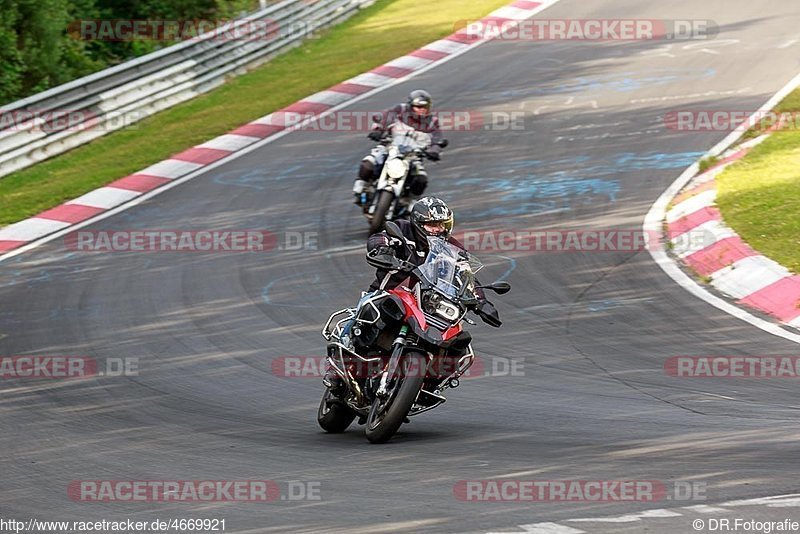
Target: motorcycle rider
(430,217)
(416,113)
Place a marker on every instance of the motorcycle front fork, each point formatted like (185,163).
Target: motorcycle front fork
(394,362)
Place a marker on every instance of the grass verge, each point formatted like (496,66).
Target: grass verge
(759,196)
(380,33)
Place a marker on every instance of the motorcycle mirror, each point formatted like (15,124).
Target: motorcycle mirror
(393,230)
(500,287)
(443,143)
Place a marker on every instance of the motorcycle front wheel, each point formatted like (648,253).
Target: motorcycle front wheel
(381,209)
(386,415)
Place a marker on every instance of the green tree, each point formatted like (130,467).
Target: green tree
(37,50)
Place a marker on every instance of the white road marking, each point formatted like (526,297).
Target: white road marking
(569,103)
(590,126)
(691,96)
(704,509)
(777,501)
(629,518)
(546,528)
(707,47)
(664,50)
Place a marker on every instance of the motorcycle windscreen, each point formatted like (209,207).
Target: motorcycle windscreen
(407,138)
(447,270)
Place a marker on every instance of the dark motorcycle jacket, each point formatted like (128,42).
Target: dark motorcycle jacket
(402,112)
(417,256)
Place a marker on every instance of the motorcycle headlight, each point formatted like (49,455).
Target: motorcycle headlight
(447,310)
(436,305)
(396,168)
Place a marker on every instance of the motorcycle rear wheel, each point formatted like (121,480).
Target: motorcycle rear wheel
(386,416)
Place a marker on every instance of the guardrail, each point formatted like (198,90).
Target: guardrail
(67,116)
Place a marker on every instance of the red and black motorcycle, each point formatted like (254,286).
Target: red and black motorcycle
(398,350)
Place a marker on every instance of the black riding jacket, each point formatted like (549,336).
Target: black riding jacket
(417,257)
(403,113)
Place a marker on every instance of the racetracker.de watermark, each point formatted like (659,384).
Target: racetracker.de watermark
(439,367)
(588,29)
(193,491)
(189,241)
(362,121)
(717,120)
(40,366)
(61,120)
(508,490)
(733,366)
(191,30)
(589,240)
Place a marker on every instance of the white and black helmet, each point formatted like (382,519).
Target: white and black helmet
(431,217)
(420,98)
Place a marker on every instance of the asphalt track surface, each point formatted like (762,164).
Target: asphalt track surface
(593,329)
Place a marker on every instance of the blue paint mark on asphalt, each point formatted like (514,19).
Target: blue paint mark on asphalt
(259,178)
(265,293)
(630,161)
(602,305)
(513,265)
(540,196)
(251,179)
(32,277)
(620,82)
(8,319)
(554,191)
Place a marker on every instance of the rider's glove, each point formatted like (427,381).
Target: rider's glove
(376,135)
(383,250)
(489,314)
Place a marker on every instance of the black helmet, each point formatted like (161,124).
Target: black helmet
(431,217)
(420,99)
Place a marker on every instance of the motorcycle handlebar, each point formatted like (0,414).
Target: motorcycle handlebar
(389,262)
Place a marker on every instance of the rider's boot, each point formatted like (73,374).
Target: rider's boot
(360,192)
(334,382)
(366,173)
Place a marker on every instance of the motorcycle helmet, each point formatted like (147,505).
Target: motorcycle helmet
(420,102)
(431,217)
